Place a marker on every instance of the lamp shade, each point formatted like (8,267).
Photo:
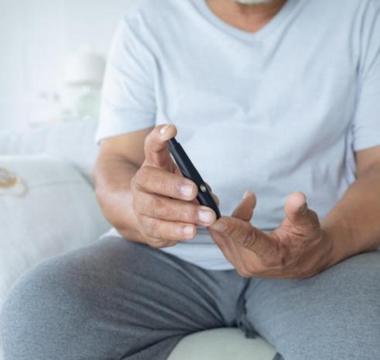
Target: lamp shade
(84,68)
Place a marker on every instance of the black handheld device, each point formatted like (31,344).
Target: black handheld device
(189,171)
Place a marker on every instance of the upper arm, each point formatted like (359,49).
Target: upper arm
(366,120)
(367,159)
(129,147)
(128,95)
(128,108)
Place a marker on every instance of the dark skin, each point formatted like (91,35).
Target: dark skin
(151,208)
(297,248)
(158,213)
(141,191)
(303,245)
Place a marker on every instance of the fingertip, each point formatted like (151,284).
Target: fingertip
(189,231)
(250,196)
(246,195)
(297,196)
(167,131)
(155,143)
(162,129)
(187,191)
(194,191)
(296,203)
(219,225)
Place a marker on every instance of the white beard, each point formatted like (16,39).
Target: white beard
(253,2)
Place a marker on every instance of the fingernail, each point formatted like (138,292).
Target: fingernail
(186,190)
(188,231)
(164,129)
(205,216)
(219,226)
(246,194)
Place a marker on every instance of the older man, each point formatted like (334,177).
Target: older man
(279,100)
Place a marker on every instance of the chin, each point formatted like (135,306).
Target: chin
(253,2)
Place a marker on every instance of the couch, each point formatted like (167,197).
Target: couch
(52,209)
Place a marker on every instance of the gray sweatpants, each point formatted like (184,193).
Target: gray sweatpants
(120,300)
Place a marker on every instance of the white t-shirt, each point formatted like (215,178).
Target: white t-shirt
(273,112)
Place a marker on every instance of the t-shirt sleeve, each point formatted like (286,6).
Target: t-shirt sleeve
(128,100)
(366,123)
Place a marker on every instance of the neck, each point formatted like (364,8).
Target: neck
(246,17)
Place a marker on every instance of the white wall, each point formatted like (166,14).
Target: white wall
(35,38)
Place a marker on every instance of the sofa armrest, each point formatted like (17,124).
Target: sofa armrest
(58,212)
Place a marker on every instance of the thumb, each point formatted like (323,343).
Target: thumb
(296,209)
(156,147)
(244,210)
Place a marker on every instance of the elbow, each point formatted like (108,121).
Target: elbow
(99,185)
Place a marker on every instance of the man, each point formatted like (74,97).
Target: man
(277,100)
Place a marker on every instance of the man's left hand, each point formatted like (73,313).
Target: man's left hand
(299,248)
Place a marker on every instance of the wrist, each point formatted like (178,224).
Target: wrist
(335,249)
(339,237)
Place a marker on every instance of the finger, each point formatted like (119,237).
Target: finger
(228,247)
(159,181)
(245,234)
(167,230)
(216,198)
(195,201)
(177,171)
(159,243)
(159,207)
(244,210)
(156,146)
(297,211)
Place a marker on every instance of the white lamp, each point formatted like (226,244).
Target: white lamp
(83,79)
(84,68)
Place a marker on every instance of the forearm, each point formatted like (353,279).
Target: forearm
(354,224)
(112,175)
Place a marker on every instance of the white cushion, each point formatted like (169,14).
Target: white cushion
(72,141)
(57,213)
(222,344)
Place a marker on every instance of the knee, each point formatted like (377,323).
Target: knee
(346,321)
(358,276)
(348,293)
(51,302)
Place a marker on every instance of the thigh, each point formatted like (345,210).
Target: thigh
(113,300)
(334,315)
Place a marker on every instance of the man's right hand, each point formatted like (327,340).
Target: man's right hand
(164,202)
